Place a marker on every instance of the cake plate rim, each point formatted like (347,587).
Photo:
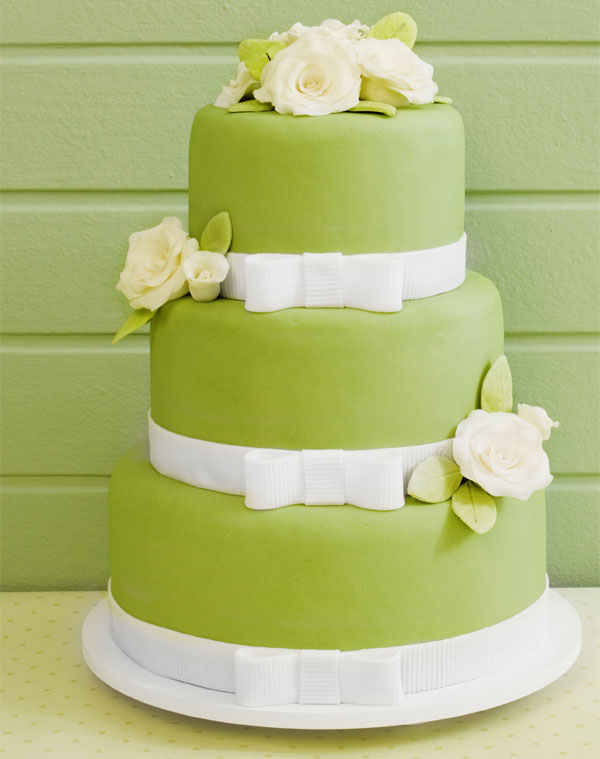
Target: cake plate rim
(561,646)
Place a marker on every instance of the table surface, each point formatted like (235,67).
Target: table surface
(52,705)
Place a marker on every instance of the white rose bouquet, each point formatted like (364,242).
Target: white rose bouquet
(495,453)
(318,70)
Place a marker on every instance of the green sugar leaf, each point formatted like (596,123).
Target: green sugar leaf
(217,234)
(136,319)
(496,392)
(442,99)
(399,25)
(250,106)
(475,507)
(257,53)
(370,106)
(434,480)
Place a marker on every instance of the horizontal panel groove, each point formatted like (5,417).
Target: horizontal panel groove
(210,53)
(156,59)
(24,199)
(53,483)
(28,53)
(131,58)
(554,336)
(33,199)
(77,343)
(576,481)
(553,341)
(48,202)
(57,482)
(64,342)
(516,199)
(16,47)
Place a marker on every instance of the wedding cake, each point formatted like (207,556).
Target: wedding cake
(338,503)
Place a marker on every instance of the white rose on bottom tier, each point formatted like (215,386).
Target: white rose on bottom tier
(316,75)
(394,74)
(502,453)
(204,272)
(153,273)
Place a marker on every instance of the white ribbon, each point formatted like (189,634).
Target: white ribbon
(272,478)
(317,677)
(369,281)
(267,676)
(368,479)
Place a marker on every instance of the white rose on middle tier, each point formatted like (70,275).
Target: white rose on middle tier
(316,75)
(394,74)
(502,453)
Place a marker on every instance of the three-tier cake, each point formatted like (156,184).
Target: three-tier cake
(337,503)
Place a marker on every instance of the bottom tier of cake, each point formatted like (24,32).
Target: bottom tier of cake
(314,577)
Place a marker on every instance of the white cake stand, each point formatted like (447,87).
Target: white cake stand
(559,651)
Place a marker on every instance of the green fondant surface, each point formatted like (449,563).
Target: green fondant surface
(314,576)
(349,182)
(324,378)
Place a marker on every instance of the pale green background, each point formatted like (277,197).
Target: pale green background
(97,104)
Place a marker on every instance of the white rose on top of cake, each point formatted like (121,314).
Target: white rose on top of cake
(334,67)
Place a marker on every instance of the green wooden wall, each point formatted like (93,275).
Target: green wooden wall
(97,103)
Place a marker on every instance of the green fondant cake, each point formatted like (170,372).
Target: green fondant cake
(352,181)
(315,577)
(349,361)
(324,378)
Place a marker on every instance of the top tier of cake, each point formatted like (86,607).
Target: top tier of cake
(348,182)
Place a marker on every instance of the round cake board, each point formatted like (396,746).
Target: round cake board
(560,649)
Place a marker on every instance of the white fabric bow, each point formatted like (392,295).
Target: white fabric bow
(317,677)
(368,479)
(368,281)
(274,477)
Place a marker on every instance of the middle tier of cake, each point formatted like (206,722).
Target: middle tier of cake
(324,378)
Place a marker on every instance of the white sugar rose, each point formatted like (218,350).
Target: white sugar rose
(204,272)
(153,272)
(537,416)
(238,88)
(316,75)
(394,74)
(332,26)
(502,453)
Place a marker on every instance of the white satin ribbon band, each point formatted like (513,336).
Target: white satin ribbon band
(369,281)
(272,478)
(268,676)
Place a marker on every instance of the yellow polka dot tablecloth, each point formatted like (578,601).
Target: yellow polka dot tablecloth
(53,706)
